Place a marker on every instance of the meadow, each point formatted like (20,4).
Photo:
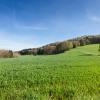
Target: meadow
(73,75)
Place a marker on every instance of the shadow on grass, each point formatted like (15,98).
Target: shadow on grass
(64,95)
(89,54)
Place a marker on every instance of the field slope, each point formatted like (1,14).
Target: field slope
(73,75)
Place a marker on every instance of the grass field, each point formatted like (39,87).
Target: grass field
(73,75)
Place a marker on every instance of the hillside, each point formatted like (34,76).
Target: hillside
(61,47)
(73,75)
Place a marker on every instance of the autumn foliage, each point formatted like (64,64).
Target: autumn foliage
(60,47)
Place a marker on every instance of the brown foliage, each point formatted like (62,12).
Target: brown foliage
(34,51)
(50,50)
(64,46)
(16,54)
(60,47)
(76,43)
(6,54)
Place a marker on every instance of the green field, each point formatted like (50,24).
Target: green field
(73,75)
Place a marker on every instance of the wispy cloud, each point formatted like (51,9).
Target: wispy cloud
(95,18)
(30,27)
(15,45)
(34,27)
(8,42)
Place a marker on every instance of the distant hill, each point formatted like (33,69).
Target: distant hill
(60,47)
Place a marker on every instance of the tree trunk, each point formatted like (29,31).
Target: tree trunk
(99,47)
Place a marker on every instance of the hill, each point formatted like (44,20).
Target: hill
(61,47)
(73,75)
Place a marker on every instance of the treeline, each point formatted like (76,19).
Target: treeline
(60,47)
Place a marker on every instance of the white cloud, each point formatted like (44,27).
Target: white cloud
(34,28)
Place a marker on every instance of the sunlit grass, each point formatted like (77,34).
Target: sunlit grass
(73,75)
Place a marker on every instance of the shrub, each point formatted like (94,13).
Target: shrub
(76,43)
(50,50)
(34,51)
(40,51)
(64,46)
(16,54)
(82,42)
(6,54)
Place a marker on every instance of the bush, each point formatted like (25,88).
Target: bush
(16,54)
(34,51)
(6,54)
(40,51)
(82,42)
(64,46)
(50,50)
(76,44)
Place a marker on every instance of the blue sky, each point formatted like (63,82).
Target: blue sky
(33,23)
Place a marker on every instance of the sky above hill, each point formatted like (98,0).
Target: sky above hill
(33,23)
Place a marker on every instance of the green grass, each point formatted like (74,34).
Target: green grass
(73,75)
